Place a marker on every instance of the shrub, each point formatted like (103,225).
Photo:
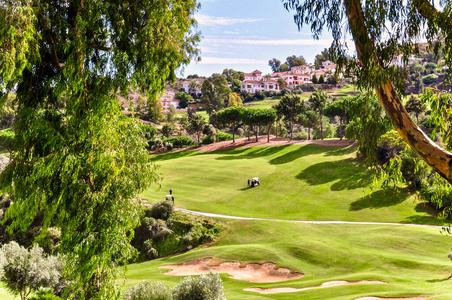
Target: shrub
(162,210)
(148,130)
(148,291)
(208,139)
(429,79)
(182,142)
(204,287)
(285,91)
(45,295)
(240,131)
(223,136)
(168,146)
(25,270)
(301,136)
(431,66)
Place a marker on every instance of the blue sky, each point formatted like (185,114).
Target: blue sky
(245,34)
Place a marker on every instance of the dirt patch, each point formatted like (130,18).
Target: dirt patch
(323,285)
(252,272)
(274,141)
(380,298)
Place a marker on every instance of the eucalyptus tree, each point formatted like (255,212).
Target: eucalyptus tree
(83,164)
(318,102)
(381,30)
(215,92)
(289,107)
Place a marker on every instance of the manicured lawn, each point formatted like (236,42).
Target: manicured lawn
(413,261)
(299,182)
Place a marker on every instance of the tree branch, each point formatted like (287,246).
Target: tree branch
(53,53)
(100,47)
(428,11)
(439,159)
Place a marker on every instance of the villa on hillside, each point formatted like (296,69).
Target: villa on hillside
(328,65)
(256,82)
(398,61)
(193,86)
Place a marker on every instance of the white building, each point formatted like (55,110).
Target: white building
(188,86)
(255,82)
(398,61)
(168,100)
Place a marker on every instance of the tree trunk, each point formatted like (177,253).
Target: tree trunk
(340,128)
(309,133)
(249,132)
(439,159)
(321,126)
(257,133)
(291,131)
(268,132)
(233,133)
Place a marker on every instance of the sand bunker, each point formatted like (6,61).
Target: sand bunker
(323,285)
(259,273)
(379,298)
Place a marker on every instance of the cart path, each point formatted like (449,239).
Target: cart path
(212,215)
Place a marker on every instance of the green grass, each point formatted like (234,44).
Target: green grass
(5,295)
(299,182)
(412,261)
(306,182)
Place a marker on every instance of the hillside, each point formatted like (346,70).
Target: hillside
(304,182)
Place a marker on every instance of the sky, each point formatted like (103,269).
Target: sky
(245,34)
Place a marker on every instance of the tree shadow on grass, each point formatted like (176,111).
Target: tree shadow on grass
(341,151)
(173,155)
(256,152)
(379,199)
(346,172)
(310,149)
(429,216)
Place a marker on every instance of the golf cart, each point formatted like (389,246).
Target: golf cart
(255,181)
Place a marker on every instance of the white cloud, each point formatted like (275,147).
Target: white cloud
(231,32)
(286,42)
(222,21)
(230,61)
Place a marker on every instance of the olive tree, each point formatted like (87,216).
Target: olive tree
(84,165)
(24,271)
(381,30)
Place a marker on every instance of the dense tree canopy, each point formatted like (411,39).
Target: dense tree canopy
(77,157)
(215,92)
(381,30)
